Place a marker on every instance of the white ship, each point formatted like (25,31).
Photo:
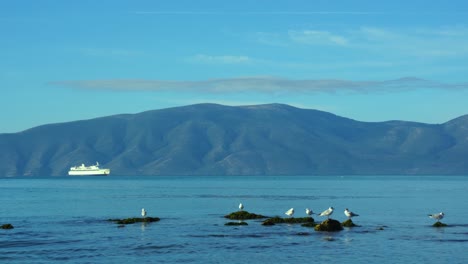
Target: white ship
(92,170)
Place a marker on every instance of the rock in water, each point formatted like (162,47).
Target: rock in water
(310,224)
(7,226)
(288,220)
(243,215)
(348,223)
(329,225)
(134,220)
(439,224)
(235,223)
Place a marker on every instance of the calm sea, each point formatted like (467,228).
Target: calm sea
(63,220)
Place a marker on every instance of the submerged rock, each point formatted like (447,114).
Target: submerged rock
(289,220)
(348,223)
(7,226)
(235,223)
(329,225)
(311,224)
(244,215)
(135,220)
(268,222)
(439,224)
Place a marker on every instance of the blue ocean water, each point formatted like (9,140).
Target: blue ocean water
(65,219)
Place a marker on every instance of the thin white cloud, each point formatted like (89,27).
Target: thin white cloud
(374,33)
(270,39)
(415,42)
(314,13)
(392,43)
(109,52)
(224,59)
(273,13)
(261,85)
(316,37)
(450,32)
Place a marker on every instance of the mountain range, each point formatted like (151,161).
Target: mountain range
(211,139)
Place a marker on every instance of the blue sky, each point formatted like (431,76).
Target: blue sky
(367,60)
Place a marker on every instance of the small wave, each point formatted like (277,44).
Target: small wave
(35,242)
(328,238)
(158,247)
(457,225)
(451,240)
(152,248)
(226,235)
(284,197)
(262,246)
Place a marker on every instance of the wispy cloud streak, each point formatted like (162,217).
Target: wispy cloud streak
(317,37)
(295,13)
(420,43)
(225,59)
(280,13)
(109,52)
(261,85)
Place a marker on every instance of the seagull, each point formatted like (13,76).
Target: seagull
(309,212)
(241,206)
(437,217)
(349,214)
(327,212)
(143,212)
(290,212)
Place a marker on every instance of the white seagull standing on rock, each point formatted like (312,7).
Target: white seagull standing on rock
(309,212)
(241,206)
(327,212)
(437,217)
(349,214)
(143,212)
(290,212)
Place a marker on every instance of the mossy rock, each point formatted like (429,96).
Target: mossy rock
(268,222)
(235,223)
(290,220)
(135,220)
(7,226)
(273,221)
(311,224)
(348,223)
(439,224)
(329,225)
(244,215)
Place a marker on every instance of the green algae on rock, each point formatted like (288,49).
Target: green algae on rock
(135,220)
(329,225)
(244,215)
(348,223)
(7,226)
(290,220)
(439,224)
(311,224)
(235,223)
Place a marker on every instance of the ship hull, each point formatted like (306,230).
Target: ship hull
(100,172)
